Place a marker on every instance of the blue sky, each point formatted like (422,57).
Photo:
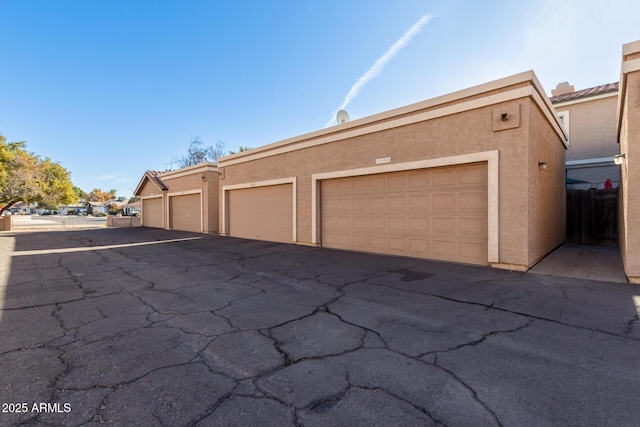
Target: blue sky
(110,89)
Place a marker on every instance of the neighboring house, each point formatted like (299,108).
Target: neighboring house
(103,207)
(23,208)
(476,176)
(95,207)
(589,117)
(72,209)
(132,208)
(184,199)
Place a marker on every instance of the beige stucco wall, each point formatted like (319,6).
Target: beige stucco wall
(149,189)
(201,178)
(123,221)
(547,192)
(470,131)
(5,223)
(213,201)
(592,128)
(629,134)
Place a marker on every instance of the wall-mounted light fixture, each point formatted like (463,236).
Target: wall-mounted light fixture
(204,178)
(504,117)
(619,159)
(542,165)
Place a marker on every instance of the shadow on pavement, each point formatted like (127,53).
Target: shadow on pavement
(145,326)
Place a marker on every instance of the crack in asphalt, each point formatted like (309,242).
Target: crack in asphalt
(474,343)
(492,306)
(471,390)
(242,387)
(630,325)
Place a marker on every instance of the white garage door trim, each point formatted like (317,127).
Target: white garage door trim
(491,157)
(185,193)
(227,188)
(142,208)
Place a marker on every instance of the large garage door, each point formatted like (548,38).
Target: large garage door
(185,213)
(262,213)
(438,213)
(152,212)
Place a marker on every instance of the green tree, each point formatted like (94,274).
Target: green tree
(134,199)
(25,177)
(81,194)
(240,150)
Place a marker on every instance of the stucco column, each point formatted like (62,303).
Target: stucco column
(629,138)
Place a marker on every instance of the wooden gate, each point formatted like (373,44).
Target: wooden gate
(592,216)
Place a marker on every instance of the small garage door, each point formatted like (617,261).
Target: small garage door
(262,213)
(438,213)
(185,213)
(152,212)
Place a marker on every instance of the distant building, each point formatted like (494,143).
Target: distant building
(23,208)
(589,117)
(72,209)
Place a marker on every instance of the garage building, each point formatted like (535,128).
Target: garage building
(184,199)
(475,176)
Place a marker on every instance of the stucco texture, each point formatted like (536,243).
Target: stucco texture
(630,178)
(592,128)
(197,179)
(547,192)
(521,203)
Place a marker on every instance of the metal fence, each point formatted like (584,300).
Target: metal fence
(55,222)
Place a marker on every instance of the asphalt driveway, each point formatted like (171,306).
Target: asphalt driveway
(150,327)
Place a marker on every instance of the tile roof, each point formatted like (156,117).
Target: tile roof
(585,93)
(153,177)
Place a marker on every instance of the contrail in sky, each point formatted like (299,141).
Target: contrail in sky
(377,66)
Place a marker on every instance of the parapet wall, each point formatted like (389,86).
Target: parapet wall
(123,221)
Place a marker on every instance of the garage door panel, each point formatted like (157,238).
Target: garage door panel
(378,242)
(420,225)
(473,175)
(477,226)
(264,213)
(444,247)
(471,250)
(419,246)
(360,222)
(344,204)
(444,177)
(418,201)
(444,201)
(152,212)
(377,183)
(378,223)
(438,213)
(359,241)
(185,213)
(359,185)
(473,200)
(396,182)
(396,202)
(397,244)
(344,187)
(359,203)
(397,224)
(344,223)
(379,203)
(444,225)
(419,179)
